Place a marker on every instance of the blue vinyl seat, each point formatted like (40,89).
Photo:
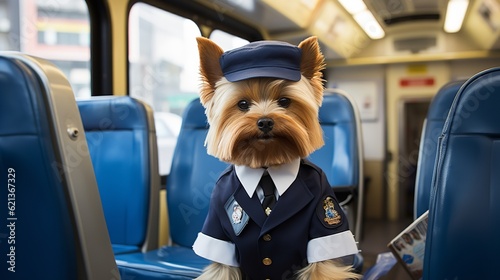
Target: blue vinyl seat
(189,186)
(464,223)
(433,125)
(341,158)
(121,137)
(55,223)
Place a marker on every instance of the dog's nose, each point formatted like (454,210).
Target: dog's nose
(265,124)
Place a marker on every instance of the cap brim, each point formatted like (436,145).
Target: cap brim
(264,72)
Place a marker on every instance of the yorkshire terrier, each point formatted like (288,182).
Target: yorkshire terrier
(262,102)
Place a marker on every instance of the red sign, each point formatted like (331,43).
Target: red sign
(416,82)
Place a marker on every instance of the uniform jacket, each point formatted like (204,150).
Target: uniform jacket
(306,225)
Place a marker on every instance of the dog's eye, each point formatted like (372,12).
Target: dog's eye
(284,102)
(243,105)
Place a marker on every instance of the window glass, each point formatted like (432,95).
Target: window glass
(163,70)
(227,41)
(58,31)
(163,58)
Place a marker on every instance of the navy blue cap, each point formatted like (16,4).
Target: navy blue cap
(262,59)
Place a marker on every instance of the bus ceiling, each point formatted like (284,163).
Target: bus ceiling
(395,30)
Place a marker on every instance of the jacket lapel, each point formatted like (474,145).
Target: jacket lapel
(292,201)
(251,206)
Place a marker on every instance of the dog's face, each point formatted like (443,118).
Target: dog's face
(262,121)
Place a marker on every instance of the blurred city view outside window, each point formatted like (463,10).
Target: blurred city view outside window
(164,68)
(163,60)
(163,57)
(227,41)
(56,30)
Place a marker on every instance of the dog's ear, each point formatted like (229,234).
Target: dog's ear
(210,69)
(311,65)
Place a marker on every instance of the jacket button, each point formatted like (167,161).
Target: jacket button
(267,261)
(267,237)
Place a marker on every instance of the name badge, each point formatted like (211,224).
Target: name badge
(236,215)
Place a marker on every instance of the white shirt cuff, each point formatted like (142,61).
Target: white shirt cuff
(331,247)
(216,250)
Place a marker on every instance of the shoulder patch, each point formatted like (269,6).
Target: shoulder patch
(328,212)
(237,217)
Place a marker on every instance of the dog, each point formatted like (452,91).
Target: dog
(261,101)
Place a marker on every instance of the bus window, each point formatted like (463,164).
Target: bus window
(163,58)
(58,31)
(163,70)
(227,41)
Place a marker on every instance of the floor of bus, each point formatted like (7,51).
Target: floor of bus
(376,236)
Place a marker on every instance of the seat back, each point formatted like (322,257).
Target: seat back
(122,144)
(341,158)
(55,224)
(433,125)
(462,237)
(192,177)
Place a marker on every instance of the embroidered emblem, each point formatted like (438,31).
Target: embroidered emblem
(237,213)
(332,217)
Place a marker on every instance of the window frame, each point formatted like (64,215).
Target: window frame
(101,48)
(204,16)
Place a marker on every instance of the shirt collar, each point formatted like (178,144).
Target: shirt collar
(282,175)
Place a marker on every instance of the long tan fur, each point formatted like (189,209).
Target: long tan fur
(220,271)
(311,65)
(326,270)
(210,69)
(233,136)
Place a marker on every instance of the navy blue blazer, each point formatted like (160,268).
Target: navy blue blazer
(276,246)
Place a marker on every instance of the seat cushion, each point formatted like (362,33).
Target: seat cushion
(117,134)
(124,249)
(38,217)
(168,262)
(436,116)
(462,237)
(339,157)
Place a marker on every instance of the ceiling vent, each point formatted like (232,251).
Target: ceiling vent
(415,44)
